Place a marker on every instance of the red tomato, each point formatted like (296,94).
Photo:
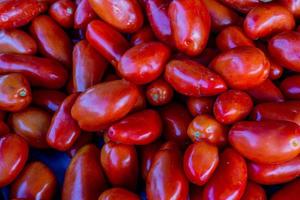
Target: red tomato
(143,35)
(166,179)
(200,161)
(84,14)
(36,181)
(48,99)
(243,6)
(62,12)
(288,192)
(230,178)
(118,193)
(13,154)
(266,141)
(190,23)
(200,105)
(254,192)
(292,5)
(290,87)
(159,92)
(120,164)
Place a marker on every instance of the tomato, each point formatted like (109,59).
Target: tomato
(290,87)
(16,13)
(176,119)
(266,141)
(200,105)
(31,184)
(139,128)
(14,154)
(41,72)
(289,191)
(200,161)
(103,104)
(232,106)
(32,124)
(242,67)
(190,23)
(284,48)
(63,130)
(84,14)
(125,15)
(206,128)
(230,178)
(107,41)
(287,111)
(159,92)
(267,20)
(266,92)
(143,63)
(48,99)
(160,22)
(118,193)
(15,92)
(271,174)
(84,178)
(17,41)
(166,179)
(254,192)
(276,70)
(221,16)
(231,37)
(62,12)
(193,79)
(88,66)
(145,34)
(243,6)
(120,164)
(292,5)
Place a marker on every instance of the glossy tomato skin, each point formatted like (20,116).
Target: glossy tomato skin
(147,153)
(120,164)
(159,92)
(176,119)
(15,92)
(232,106)
(267,91)
(83,15)
(268,19)
(63,130)
(231,37)
(290,87)
(221,16)
(293,6)
(108,41)
(14,154)
(139,128)
(145,34)
(271,174)
(284,48)
(144,63)
(48,99)
(230,178)
(16,13)
(275,141)
(190,24)
(32,124)
(287,111)
(88,66)
(193,79)
(206,128)
(103,104)
(254,191)
(52,41)
(42,72)
(31,184)
(84,178)
(243,6)
(118,193)
(62,12)
(200,161)
(17,41)
(160,22)
(166,178)
(242,67)
(126,15)
(200,105)
(289,191)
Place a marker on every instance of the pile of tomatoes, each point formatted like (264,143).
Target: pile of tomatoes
(175,99)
